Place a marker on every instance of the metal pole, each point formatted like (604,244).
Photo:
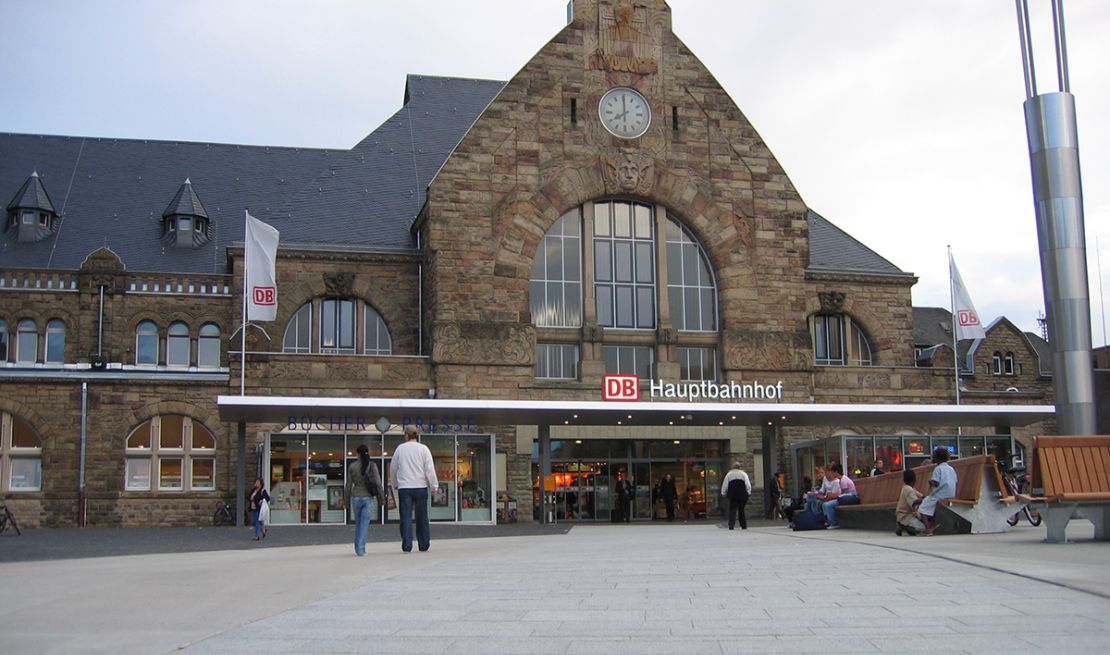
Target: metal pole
(82,499)
(1026,49)
(1061,46)
(768,465)
(241,475)
(545,470)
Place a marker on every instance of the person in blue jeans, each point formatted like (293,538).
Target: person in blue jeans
(363,485)
(848,496)
(412,473)
(255,498)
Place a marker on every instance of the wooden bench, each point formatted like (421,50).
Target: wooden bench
(981,503)
(1071,479)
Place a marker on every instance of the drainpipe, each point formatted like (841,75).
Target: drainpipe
(82,504)
(419,301)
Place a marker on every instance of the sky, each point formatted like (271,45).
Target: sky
(900,122)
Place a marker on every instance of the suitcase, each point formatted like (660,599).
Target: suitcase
(808,521)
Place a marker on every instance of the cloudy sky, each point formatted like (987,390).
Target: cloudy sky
(900,122)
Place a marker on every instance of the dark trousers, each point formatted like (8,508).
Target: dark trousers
(407,501)
(669,502)
(735,509)
(625,505)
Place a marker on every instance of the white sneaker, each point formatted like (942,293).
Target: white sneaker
(833,527)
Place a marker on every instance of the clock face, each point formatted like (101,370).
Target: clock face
(624,112)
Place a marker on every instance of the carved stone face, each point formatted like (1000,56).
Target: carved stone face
(628,174)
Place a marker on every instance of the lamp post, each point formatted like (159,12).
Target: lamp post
(384,424)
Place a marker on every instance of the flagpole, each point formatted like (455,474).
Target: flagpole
(952,306)
(243,327)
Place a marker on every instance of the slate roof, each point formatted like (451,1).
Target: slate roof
(364,197)
(32,195)
(834,250)
(185,203)
(932,326)
(112,190)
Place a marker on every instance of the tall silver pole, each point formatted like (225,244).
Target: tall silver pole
(1050,124)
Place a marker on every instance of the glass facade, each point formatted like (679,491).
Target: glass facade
(307,475)
(584,473)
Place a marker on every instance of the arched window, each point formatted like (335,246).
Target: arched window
(839,341)
(146,344)
(298,334)
(27,342)
(691,289)
(624,264)
(177,345)
(337,326)
(20,455)
(375,338)
(996,363)
(3,341)
(170,453)
(55,341)
(556,280)
(1008,364)
(208,346)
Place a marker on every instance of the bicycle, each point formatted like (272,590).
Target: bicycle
(223,515)
(1018,482)
(8,519)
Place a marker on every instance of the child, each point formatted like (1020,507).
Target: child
(908,501)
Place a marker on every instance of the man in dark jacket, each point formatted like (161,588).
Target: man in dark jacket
(736,487)
(669,492)
(624,493)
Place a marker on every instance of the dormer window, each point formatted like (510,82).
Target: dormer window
(31,215)
(185,222)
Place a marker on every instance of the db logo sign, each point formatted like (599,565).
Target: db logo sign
(967,317)
(621,387)
(264,295)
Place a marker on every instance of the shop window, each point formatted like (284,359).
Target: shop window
(20,455)
(624,264)
(556,279)
(697,364)
(177,345)
(208,346)
(375,338)
(170,453)
(27,342)
(298,333)
(146,344)
(55,341)
(629,360)
(557,361)
(691,289)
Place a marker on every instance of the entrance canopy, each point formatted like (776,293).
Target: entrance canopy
(365,412)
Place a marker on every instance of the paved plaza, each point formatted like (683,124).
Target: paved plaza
(611,589)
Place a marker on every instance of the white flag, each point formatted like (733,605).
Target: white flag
(261,258)
(968,325)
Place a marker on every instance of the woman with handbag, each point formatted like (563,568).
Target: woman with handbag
(259,500)
(363,483)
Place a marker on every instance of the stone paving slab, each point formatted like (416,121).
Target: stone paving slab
(606,589)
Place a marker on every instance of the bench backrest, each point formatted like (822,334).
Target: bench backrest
(1071,465)
(885,488)
(879,489)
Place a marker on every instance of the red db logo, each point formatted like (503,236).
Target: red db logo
(265,295)
(967,317)
(621,387)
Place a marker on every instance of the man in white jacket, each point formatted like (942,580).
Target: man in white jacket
(737,488)
(413,473)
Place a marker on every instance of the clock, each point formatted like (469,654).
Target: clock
(624,112)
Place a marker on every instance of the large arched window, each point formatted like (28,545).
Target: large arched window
(20,455)
(208,346)
(346,326)
(170,453)
(602,264)
(55,341)
(839,341)
(27,342)
(146,344)
(177,345)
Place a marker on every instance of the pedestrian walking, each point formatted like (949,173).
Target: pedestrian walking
(413,474)
(669,491)
(363,484)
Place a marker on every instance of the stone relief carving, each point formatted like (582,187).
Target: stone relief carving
(832,302)
(339,283)
(626,40)
(630,171)
(480,342)
(749,349)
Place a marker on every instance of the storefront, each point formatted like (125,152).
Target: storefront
(584,472)
(307,475)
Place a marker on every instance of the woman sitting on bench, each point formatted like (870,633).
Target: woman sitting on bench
(906,512)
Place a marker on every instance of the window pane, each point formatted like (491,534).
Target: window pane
(644,362)
(204,473)
(555,303)
(297,333)
(177,345)
(708,310)
(624,307)
(603,261)
(208,351)
(146,343)
(138,475)
(537,304)
(572,256)
(609,354)
(27,346)
(674,263)
(25,474)
(55,341)
(202,438)
(22,434)
(173,432)
(645,265)
(140,436)
(604,302)
(169,473)
(347,325)
(328,324)
(643,222)
(836,348)
(554,254)
(622,219)
(692,316)
(601,219)
(574,304)
(622,260)
(645,307)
